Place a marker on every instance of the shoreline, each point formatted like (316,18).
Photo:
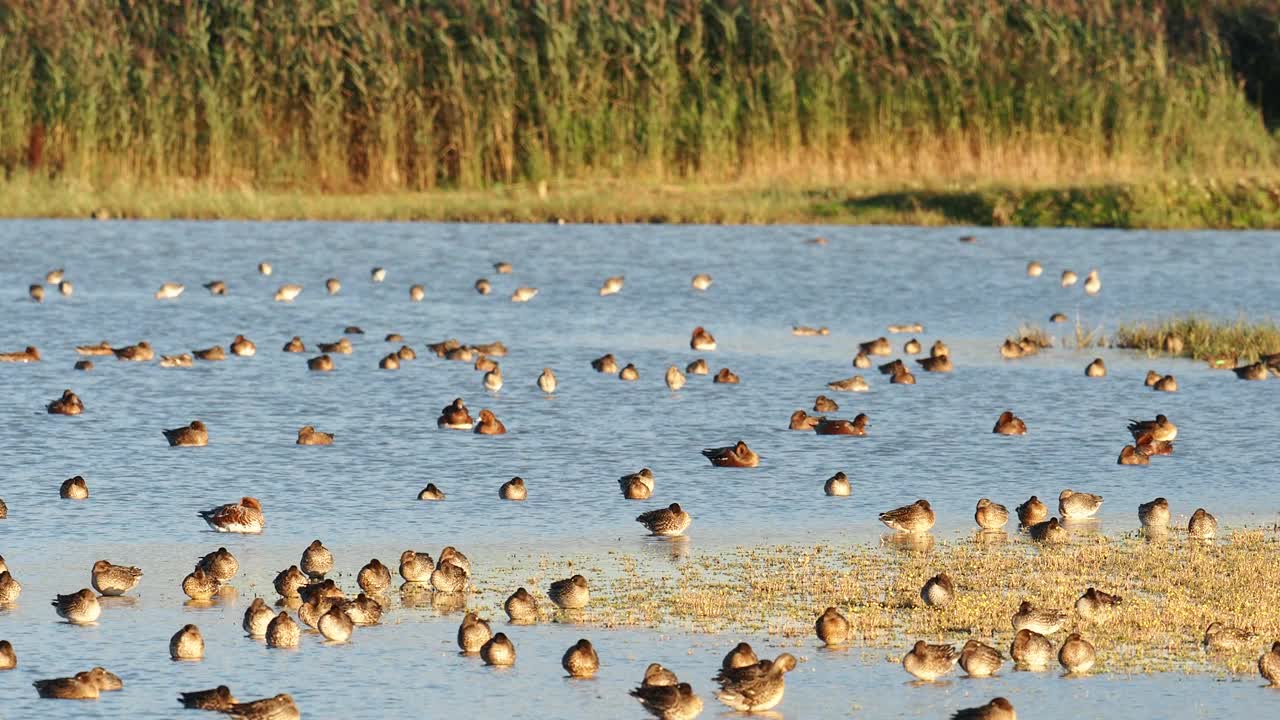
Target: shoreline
(1157,204)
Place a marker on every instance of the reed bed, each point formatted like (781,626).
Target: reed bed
(1172,588)
(405,96)
(1202,338)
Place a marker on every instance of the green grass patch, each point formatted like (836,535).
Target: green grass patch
(1201,337)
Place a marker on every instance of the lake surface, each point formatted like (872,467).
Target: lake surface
(931,440)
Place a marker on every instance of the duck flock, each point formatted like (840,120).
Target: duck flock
(309,599)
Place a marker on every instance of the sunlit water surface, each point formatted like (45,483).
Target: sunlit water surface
(932,440)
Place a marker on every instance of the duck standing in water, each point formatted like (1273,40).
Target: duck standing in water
(68,404)
(755,688)
(738,455)
(670,521)
(239,517)
(914,518)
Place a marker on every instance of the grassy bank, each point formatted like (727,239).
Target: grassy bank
(1202,338)
(1156,204)
(1172,590)
(1041,112)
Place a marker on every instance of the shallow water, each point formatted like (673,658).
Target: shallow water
(932,440)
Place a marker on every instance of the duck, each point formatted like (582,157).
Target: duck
(141,352)
(1152,448)
(450,553)
(755,688)
(169,291)
(938,591)
(220,564)
(431,492)
(336,625)
(605,364)
(1058,317)
(83,365)
(1095,369)
(740,656)
(264,268)
(800,420)
(10,588)
(938,364)
(322,363)
(210,354)
(879,346)
(312,609)
(832,627)
(701,281)
(837,486)
(244,516)
(29,354)
(912,347)
(914,518)
(36,293)
(1069,278)
(343,346)
(701,340)
(503,268)
(1202,525)
(374,577)
(1168,383)
(68,404)
(629,373)
(443,347)
(521,607)
(637,486)
(1009,424)
(187,644)
(580,660)
(1045,621)
(1160,429)
(280,707)
(218,699)
(1078,505)
(1269,665)
(1032,512)
(74,488)
(670,521)
(483,286)
(288,292)
(308,592)
(114,580)
(283,632)
(998,709)
(493,379)
(938,349)
(862,361)
(448,576)
(4,513)
(857,426)
(177,361)
(1129,455)
(892,368)
(102,348)
(1256,371)
(738,455)
(857,383)
(726,377)
(317,560)
(489,424)
(524,294)
(473,633)
(80,687)
(655,675)
(78,608)
(929,662)
(1154,514)
(697,367)
(1076,654)
(547,381)
(493,349)
(8,658)
(1031,650)
(417,293)
(611,286)
(903,377)
(570,593)
(363,610)
(308,435)
(1034,269)
(1095,606)
(674,378)
(669,702)
(289,581)
(824,404)
(513,489)
(1092,283)
(256,618)
(806,331)
(193,435)
(979,659)
(416,567)
(200,585)
(404,354)
(1220,637)
(242,346)
(990,515)
(498,651)
(1011,350)
(455,416)
(1049,532)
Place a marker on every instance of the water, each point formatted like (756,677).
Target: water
(932,440)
